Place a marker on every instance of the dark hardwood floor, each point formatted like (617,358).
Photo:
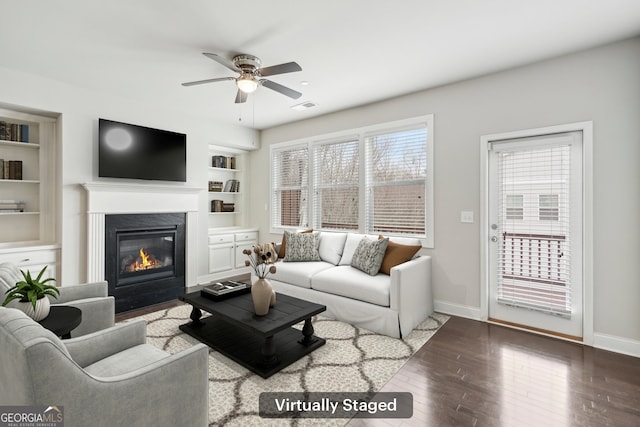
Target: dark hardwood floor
(472,373)
(475,374)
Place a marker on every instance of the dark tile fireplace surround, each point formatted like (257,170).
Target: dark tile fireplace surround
(145,258)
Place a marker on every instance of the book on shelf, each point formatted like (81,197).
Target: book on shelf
(232,186)
(14,131)
(221,206)
(11,169)
(225,162)
(215,186)
(11,206)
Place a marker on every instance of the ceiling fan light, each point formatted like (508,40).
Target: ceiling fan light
(247,83)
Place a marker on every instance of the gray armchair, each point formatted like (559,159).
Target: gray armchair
(108,378)
(98,309)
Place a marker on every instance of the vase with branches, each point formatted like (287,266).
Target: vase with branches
(261,258)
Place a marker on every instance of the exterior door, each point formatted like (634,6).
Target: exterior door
(535,231)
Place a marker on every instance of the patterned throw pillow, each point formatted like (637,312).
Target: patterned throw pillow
(283,246)
(302,247)
(369,254)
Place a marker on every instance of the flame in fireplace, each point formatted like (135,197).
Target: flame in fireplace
(145,262)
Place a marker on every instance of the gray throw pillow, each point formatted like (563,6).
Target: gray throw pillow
(301,247)
(369,254)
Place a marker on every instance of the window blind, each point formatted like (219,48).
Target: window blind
(534,251)
(289,177)
(395,181)
(336,185)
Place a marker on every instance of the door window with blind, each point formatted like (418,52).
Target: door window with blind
(534,225)
(376,180)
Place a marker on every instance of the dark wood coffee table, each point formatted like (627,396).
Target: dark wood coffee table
(263,344)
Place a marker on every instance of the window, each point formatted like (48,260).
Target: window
(395,182)
(336,182)
(548,207)
(514,207)
(289,170)
(376,180)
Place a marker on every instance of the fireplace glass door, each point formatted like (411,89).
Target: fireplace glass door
(146,255)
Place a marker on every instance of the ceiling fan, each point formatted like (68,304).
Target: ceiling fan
(250,70)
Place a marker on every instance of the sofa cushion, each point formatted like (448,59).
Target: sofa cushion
(397,254)
(350,246)
(369,254)
(331,246)
(283,245)
(298,273)
(352,283)
(302,247)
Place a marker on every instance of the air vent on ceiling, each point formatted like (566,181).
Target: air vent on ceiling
(303,106)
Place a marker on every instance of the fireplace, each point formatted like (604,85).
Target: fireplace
(145,258)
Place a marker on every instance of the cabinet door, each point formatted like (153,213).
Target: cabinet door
(240,257)
(220,258)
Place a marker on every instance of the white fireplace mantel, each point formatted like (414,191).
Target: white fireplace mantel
(115,198)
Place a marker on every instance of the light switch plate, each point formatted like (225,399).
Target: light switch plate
(466,217)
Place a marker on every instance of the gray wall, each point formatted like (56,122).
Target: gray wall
(600,85)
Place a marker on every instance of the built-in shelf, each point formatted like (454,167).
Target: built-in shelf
(224,169)
(226,175)
(19,213)
(19,181)
(30,140)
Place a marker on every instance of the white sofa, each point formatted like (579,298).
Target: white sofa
(392,305)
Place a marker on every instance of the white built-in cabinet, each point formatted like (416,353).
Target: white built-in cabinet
(28,235)
(225,250)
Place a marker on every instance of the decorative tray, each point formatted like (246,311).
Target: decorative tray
(222,290)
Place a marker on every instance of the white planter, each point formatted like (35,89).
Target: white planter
(43,305)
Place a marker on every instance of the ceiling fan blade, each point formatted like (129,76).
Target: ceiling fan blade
(289,67)
(281,89)
(223,61)
(241,97)
(200,82)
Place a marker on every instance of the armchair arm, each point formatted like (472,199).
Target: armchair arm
(410,293)
(76,292)
(88,349)
(170,391)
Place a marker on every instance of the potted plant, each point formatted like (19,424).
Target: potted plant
(32,295)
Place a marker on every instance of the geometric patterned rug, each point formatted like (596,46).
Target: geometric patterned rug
(353,359)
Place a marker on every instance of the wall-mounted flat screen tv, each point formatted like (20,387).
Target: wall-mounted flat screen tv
(138,152)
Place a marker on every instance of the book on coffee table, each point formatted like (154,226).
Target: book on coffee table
(226,289)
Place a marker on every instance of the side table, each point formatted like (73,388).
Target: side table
(62,320)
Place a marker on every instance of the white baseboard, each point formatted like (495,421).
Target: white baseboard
(457,310)
(616,344)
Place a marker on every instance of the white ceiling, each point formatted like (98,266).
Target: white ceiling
(352,52)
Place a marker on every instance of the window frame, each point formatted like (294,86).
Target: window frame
(360,134)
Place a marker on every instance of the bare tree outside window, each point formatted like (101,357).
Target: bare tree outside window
(377,179)
(397,171)
(291,187)
(336,185)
